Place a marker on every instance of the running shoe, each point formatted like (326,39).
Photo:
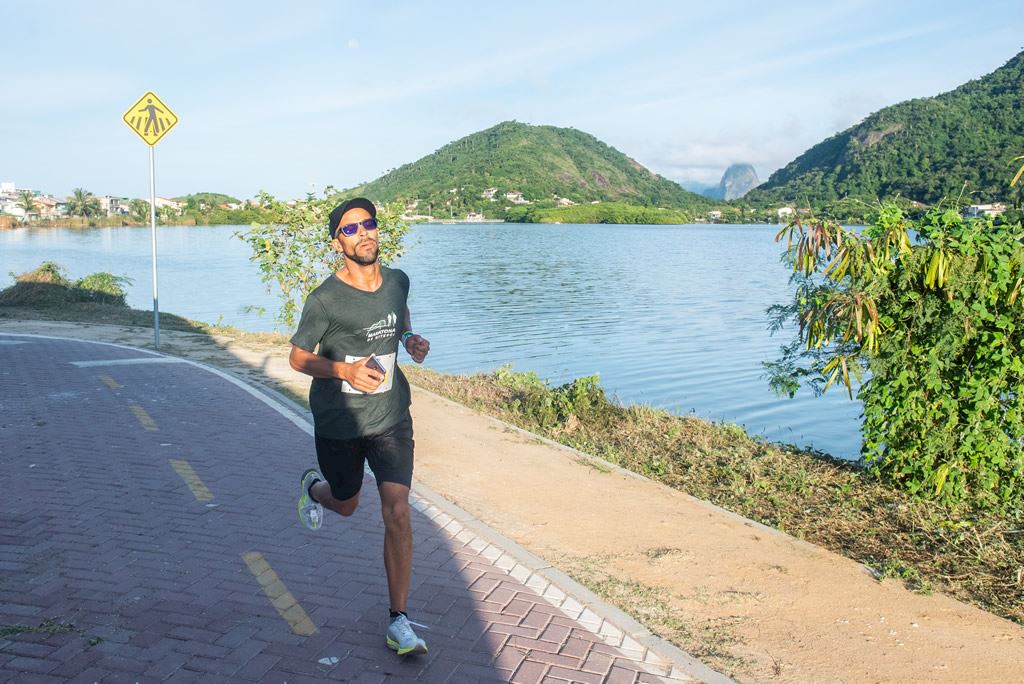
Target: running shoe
(402,639)
(310,512)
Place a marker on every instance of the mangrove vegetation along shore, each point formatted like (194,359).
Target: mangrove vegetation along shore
(975,556)
(226,218)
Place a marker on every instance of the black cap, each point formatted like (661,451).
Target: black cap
(355,203)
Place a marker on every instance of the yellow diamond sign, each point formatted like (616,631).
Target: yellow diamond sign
(150,118)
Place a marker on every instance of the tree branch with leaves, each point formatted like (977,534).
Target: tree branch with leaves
(925,319)
(294,253)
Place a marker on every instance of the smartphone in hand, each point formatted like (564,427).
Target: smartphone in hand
(373,363)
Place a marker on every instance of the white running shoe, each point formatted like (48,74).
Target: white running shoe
(402,639)
(310,512)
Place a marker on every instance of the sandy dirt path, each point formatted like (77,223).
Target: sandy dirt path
(750,601)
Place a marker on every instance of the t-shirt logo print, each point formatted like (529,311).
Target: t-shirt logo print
(383,328)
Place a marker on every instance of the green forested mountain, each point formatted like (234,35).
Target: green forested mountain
(213,199)
(921,149)
(539,162)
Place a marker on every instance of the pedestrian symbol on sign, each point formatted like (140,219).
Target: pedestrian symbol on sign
(150,118)
(152,110)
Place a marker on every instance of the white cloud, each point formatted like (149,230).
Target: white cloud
(418,80)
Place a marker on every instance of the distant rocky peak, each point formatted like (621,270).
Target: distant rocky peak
(737,181)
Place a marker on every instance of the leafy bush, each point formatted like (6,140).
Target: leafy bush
(49,272)
(47,286)
(932,311)
(295,255)
(104,287)
(552,406)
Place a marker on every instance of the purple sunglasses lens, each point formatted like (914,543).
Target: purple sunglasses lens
(352,228)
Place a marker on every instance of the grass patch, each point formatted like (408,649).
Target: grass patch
(973,556)
(661,552)
(710,641)
(48,627)
(46,293)
(48,287)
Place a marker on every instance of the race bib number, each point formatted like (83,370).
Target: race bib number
(387,360)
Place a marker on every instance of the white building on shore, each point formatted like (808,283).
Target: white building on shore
(114,206)
(162,202)
(987,210)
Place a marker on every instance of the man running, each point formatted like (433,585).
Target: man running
(359,397)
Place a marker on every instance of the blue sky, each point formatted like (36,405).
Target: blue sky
(292,96)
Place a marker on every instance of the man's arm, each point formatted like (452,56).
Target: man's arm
(356,373)
(416,345)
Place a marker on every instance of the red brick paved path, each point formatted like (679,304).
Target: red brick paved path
(125,573)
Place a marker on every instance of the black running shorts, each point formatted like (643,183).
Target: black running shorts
(389,455)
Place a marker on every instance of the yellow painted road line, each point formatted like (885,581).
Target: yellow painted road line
(279,596)
(110,382)
(201,492)
(143,417)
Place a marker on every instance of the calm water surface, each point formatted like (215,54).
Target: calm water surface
(672,316)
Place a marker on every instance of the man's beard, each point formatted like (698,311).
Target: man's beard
(367,260)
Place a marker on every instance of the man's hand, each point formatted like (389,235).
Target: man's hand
(360,377)
(418,348)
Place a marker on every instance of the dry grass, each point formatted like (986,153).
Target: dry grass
(710,640)
(973,556)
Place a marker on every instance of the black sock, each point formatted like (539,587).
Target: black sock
(309,490)
(396,613)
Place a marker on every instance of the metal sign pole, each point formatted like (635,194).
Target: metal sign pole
(150,118)
(152,232)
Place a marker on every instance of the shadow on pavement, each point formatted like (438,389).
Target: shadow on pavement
(149,529)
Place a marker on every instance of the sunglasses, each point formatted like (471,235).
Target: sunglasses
(351,229)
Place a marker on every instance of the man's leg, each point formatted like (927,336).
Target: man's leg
(341,470)
(391,459)
(321,492)
(394,503)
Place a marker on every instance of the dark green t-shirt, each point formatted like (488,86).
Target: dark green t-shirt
(349,324)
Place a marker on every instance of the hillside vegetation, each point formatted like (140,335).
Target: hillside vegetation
(922,149)
(540,163)
(212,199)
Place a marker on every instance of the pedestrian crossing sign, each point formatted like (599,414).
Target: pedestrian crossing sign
(150,118)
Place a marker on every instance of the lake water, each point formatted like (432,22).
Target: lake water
(672,316)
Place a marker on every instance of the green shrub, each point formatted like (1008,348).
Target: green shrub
(49,272)
(103,287)
(932,311)
(47,287)
(294,254)
(552,406)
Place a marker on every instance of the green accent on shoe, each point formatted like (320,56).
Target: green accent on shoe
(402,639)
(418,648)
(311,513)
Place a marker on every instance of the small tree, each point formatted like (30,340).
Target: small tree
(83,203)
(933,311)
(138,209)
(295,254)
(27,201)
(167,215)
